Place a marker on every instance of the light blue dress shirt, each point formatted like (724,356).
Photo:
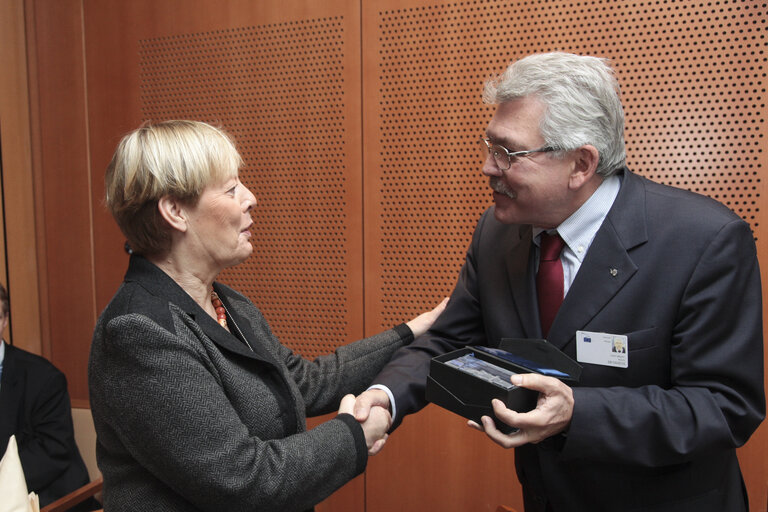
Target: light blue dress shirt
(578,230)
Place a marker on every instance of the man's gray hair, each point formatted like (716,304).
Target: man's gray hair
(581,95)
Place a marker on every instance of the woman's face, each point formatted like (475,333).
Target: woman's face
(219,224)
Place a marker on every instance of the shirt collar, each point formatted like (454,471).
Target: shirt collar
(2,355)
(580,228)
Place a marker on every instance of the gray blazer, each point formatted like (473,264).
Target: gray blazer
(189,418)
(675,272)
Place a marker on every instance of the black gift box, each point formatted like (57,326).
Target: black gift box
(466,380)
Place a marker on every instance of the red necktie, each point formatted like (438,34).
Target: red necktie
(549,280)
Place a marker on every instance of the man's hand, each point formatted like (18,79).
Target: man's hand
(367,400)
(551,416)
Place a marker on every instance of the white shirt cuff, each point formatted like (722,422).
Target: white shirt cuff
(391,398)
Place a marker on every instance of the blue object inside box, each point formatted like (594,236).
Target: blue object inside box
(465,381)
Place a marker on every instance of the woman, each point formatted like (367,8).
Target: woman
(196,404)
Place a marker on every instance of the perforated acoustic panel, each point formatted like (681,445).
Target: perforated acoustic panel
(280,91)
(693,78)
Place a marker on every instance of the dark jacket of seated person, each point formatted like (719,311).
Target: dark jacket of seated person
(35,406)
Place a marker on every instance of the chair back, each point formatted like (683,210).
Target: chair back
(85,437)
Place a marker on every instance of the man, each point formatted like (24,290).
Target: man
(34,406)
(672,274)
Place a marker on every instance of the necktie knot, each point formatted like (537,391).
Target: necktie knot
(551,247)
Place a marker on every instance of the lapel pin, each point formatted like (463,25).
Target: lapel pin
(614,272)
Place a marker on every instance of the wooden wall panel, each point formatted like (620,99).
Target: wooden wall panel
(286,85)
(693,81)
(424,64)
(63,189)
(18,257)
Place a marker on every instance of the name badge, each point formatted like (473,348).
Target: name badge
(602,348)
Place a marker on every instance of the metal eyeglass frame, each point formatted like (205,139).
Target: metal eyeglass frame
(492,149)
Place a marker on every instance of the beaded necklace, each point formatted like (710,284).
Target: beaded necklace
(221,317)
(221,313)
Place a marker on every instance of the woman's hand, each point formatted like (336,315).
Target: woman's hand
(424,321)
(375,426)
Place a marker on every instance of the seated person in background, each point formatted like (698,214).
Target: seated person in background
(34,406)
(197,405)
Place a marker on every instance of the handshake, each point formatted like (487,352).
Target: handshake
(371,409)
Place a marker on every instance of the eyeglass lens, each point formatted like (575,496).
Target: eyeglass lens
(502,159)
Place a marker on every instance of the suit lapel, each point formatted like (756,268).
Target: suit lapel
(157,282)
(520,272)
(607,266)
(602,274)
(230,341)
(240,326)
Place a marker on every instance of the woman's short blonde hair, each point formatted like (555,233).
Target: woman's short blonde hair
(170,158)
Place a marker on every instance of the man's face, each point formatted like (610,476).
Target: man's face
(535,189)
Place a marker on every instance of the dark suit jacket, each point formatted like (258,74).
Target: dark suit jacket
(661,434)
(189,418)
(34,405)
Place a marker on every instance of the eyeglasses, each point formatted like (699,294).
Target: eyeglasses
(503,157)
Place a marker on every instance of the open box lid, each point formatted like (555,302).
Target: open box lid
(539,356)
